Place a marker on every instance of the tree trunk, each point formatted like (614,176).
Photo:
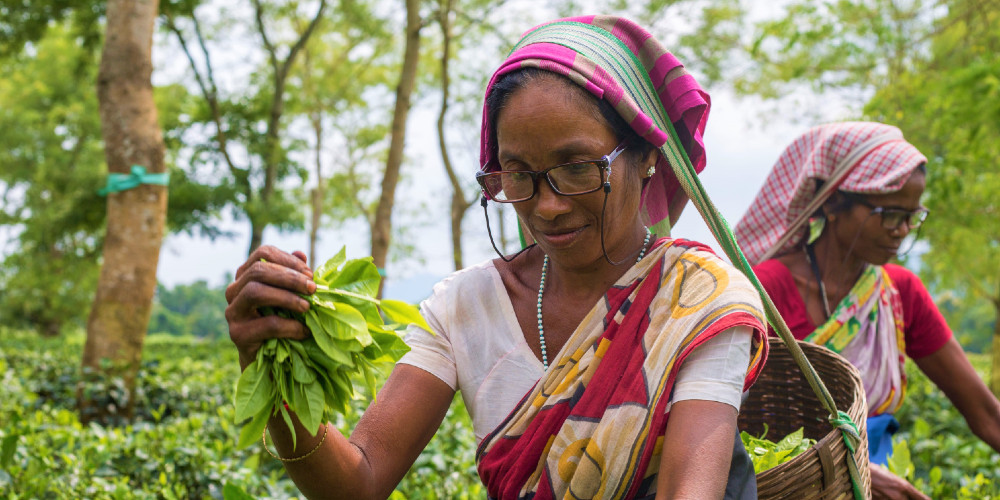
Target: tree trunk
(273,154)
(316,196)
(256,235)
(995,365)
(458,208)
(502,224)
(458,203)
(317,193)
(116,328)
(382,226)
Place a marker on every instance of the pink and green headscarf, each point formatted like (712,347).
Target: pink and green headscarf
(617,60)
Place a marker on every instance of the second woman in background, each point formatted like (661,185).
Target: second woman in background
(822,233)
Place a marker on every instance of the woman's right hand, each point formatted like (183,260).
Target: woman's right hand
(885,484)
(269,278)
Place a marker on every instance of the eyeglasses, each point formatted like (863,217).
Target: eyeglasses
(892,218)
(567,179)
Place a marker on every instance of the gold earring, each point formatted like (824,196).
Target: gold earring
(651,171)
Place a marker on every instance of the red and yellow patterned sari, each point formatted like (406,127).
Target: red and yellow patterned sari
(593,426)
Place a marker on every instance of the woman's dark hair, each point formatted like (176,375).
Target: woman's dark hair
(516,80)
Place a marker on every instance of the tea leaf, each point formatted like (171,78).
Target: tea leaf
(403,313)
(899,462)
(7,449)
(282,352)
(233,492)
(253,391)
(344,324)
(766,454)
(313,393)
(288,421)
(253,430)
(359,276)
(349,336)
(302,372)
(329,270)
(790,441)
(309,416)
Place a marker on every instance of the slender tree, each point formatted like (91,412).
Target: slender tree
(53,162)
(463,25)
(136,217)
(342,65)
(236,120)
(459,203)
(49,149)
(382,224)
(272,153)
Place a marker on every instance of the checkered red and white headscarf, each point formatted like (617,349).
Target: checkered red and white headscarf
(857,157)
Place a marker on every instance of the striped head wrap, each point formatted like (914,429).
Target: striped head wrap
(857,157)
(617,60)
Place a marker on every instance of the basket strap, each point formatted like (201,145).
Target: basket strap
(685,173)
(827,466)
(849,431)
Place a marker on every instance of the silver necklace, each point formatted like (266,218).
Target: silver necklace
(819,279)
(541,291)
(811,259)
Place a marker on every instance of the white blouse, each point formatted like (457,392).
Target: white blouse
(480,350)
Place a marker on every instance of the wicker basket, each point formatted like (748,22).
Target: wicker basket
(783,399)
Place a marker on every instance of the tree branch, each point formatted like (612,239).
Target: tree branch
(301,42)
(211,93)
(489,26)
(352,179)
(259,17)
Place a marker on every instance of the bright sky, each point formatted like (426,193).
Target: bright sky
(740,153)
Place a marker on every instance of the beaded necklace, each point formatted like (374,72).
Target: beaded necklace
(541,291)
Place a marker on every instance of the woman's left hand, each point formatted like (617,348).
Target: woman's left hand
(886,485)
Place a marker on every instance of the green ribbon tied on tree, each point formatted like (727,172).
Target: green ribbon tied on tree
(137,176)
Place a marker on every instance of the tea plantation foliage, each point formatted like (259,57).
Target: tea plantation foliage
(182,441)
(938,452)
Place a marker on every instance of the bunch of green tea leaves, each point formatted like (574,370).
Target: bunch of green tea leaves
(766,454)
(313,376)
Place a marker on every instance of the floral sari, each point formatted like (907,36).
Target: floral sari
(593,426)
(866,328)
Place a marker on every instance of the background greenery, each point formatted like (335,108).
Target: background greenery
(927,66)
(182,443)
(938,452)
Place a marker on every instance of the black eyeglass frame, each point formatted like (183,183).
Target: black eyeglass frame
(908,216)
(607,160)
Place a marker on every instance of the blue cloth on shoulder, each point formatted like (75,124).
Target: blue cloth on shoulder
(880,431)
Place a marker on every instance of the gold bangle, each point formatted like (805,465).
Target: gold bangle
(263,439)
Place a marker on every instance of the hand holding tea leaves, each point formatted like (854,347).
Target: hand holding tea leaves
(313,376)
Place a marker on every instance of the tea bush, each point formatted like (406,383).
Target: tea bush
(181,443)
(935,448)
